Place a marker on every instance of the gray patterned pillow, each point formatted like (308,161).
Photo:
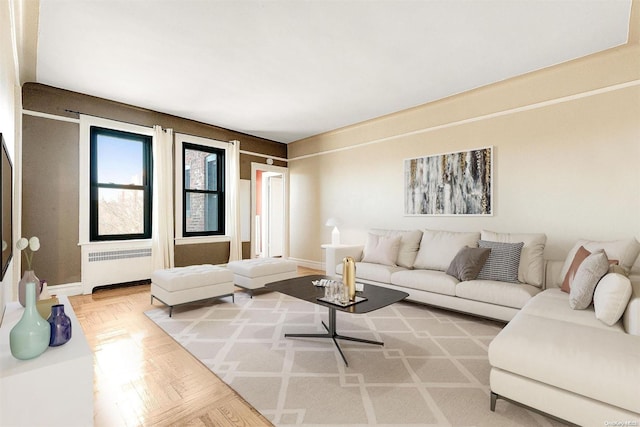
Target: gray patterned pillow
(503,261)
(587,277)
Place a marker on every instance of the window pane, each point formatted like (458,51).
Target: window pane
(212,172)
(203,210)
(120,160)
(187,184)
(203,170)
(195,161)
(120,211)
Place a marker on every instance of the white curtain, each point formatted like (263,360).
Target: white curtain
(235,252)
(162,213)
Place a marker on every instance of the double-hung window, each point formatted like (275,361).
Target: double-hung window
(120,185)
(203,190)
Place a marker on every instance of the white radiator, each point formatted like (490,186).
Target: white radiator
(109,264)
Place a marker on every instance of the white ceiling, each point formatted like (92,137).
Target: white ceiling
(285,70)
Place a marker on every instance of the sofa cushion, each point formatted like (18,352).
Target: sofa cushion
(503,261)
(531,267)
(587,277)
(435,281)
(375,272)
(468,262)
(409,244)
(496,292)
(381,249)
(439,247)
(625,251)
(611,297)
(566,355)
(554,304)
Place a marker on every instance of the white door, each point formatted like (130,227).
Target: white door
(269,211)
(274,205)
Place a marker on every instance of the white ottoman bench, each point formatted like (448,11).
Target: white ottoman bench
(182,285)
(250,274)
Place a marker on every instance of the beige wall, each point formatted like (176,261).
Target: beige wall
(566,151)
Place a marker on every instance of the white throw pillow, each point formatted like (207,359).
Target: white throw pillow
(409,244)
(611,298)
(438,248)
(625,251)
(381,249)
(531,268)
(591,270)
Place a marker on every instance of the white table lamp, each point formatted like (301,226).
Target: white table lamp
(335,233)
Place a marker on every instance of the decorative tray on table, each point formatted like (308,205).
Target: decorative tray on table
(339,304)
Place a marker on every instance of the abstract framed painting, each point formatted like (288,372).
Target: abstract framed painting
(458,183)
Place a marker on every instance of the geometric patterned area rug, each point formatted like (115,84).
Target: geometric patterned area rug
(432,370)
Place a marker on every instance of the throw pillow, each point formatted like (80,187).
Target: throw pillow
(381,250)
(439,247)
(587,277)
(409,244)
(503,261)
(580,256)
(468,262)
(625,251)
(611,298)
(615,268)
(531,268)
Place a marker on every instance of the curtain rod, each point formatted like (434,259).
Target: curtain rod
(232,142)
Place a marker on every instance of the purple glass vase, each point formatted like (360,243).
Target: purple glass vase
(60,326)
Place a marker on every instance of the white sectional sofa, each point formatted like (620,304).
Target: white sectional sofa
(568,363)
(579,364)
(423,258)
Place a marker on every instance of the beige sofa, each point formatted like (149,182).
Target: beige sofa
(423,258)
(567,363)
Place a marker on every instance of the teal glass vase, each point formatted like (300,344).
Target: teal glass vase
(29,276)
(29,338)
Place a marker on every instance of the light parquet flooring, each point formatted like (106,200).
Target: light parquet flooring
(142,377)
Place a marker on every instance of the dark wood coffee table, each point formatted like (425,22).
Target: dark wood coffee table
(302,288)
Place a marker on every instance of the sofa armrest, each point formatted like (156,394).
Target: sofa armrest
(336,253)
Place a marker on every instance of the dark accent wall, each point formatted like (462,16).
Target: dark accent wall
(50,204)
(50,197)
(203,253)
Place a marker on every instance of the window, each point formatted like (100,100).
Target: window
(120,185)
(203,190)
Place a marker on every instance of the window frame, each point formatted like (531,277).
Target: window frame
(84,159)
(180,238)
(95,185)
(220,155)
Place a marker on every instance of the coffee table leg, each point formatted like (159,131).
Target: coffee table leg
(331,333)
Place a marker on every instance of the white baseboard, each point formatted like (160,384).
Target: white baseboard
(307,263)
(67,289)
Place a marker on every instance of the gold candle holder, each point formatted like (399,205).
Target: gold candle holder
(349,277)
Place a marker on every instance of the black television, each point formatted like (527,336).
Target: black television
(6,206)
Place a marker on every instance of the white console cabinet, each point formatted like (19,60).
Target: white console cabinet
(54,389)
